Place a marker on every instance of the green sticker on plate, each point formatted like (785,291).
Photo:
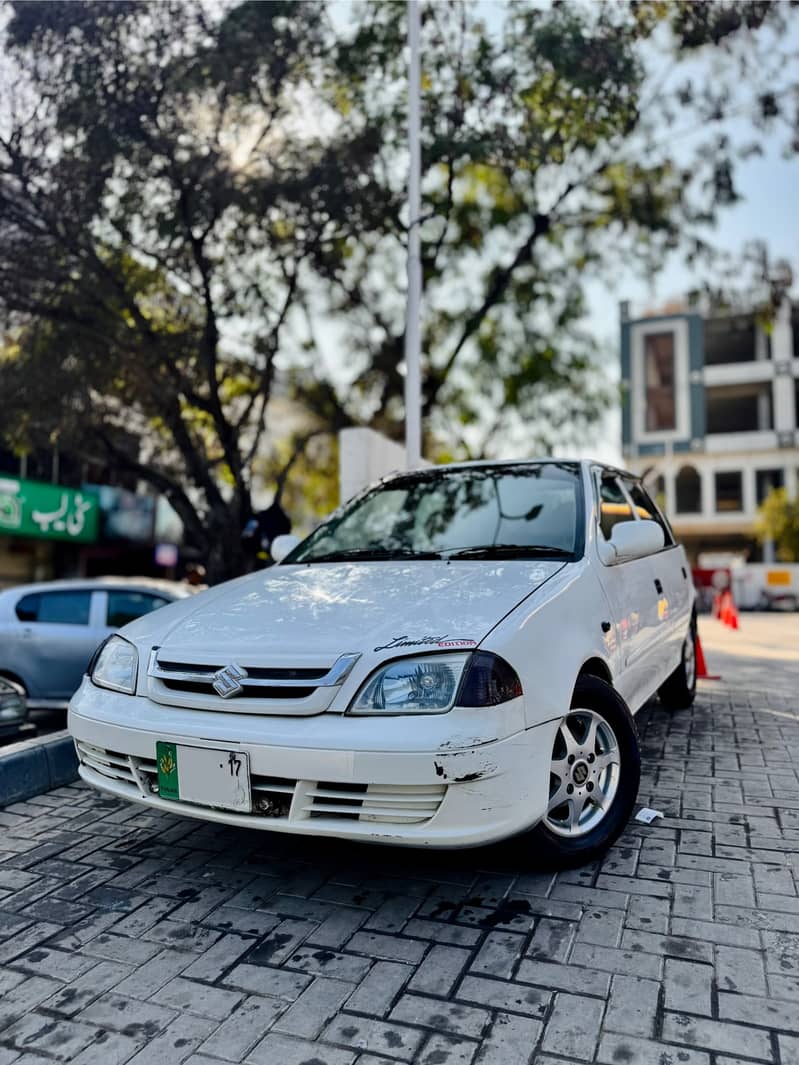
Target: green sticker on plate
(167,757)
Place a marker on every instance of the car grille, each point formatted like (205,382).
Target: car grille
(255,689)
(282,799)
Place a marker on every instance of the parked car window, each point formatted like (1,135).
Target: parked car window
(648,509)
(501,508)
(614,505)
(124,607)
(27,609)
(64,608)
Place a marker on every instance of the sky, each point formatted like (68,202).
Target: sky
(768,211)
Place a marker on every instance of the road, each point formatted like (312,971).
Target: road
(762,653)
(136,936)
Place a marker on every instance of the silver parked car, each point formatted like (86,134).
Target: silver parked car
(49,632)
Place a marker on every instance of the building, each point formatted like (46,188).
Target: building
(709,414)
(63,518)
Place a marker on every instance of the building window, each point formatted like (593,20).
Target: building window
(730,339)
(739,408)
(661,408)
(729,492)
(689,491)
(765,480)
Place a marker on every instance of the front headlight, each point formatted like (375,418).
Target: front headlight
(116,666)
(425,685)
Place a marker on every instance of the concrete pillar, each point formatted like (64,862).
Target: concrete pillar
(781,334)
(784,400)
(764,409)
(791,482)
(748,490)
(708,491)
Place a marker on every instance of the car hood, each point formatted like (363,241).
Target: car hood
(316,612)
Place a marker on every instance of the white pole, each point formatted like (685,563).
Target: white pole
(413,381)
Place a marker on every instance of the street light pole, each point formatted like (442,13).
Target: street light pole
(413,380)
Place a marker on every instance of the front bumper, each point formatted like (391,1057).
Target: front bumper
(441,780)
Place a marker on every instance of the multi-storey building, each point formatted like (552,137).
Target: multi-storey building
(709,413)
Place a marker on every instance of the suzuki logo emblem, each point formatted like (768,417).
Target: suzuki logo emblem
(227,681)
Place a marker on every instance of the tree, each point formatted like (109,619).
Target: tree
(551,153)
(778,521)
(160,193)
(194,200)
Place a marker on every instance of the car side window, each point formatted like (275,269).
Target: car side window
(124,607)
(27,609)
(613,505)
(64,608)
(647,509)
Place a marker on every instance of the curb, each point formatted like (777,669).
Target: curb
(37,765)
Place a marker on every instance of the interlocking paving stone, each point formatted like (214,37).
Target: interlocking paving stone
(616,1049)
(573,1027)
(140,936)
(688,987)
(633,1005)
(376,993)
(317,1005)
(379,1037)
(236,1036)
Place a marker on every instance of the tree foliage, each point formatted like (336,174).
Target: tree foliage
(549,161)
(778,521)
(202,218)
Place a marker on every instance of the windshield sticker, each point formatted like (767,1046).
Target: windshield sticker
(426,641)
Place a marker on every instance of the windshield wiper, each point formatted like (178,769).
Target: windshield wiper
(510,551)
(368,554)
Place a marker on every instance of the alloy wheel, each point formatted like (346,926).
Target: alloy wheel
(583,775)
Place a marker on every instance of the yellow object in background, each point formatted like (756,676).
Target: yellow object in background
(781,577)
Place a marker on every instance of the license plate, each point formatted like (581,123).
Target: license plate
(204,775)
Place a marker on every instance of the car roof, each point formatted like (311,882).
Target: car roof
(483,463)
(174,589)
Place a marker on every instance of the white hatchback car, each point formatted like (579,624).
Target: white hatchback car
(452,658)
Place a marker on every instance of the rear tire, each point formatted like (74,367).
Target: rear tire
(596,756)
(679,690)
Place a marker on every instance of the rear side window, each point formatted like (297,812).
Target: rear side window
(648,510)
(27,608)
(124,607)
(613,505)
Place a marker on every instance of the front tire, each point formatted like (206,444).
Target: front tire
(679,690)
(594,777)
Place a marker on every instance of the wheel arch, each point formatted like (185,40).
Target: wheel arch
(596,667)
(9,674)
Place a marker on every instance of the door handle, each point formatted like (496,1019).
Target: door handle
(658,586)
(27,633)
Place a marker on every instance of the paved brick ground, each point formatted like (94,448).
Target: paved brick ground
(127,936)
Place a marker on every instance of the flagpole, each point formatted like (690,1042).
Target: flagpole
(413,382)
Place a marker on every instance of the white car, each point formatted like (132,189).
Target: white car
(453,658)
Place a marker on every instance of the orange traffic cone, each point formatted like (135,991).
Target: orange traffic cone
(732,615)
(701,665)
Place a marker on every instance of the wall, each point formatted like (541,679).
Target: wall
(365,456)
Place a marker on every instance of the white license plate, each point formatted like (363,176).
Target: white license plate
(214,777)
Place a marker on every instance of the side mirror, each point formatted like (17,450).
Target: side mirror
(282,546)
(635,539)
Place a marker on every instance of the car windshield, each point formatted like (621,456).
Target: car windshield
(524,511)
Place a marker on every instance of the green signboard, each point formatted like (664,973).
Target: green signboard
(47,511)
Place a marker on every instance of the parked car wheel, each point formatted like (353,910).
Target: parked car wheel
(679,690)
(594,776)
(13,707)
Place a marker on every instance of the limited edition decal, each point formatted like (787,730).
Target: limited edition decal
(426,641)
